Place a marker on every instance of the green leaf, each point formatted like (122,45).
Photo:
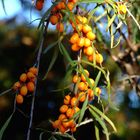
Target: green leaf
(101,16)
(97,133)
(91,1)
(110,21)
(54,57)
(83,109)
(103,116)
(101,122)
(97,79)
(2,130)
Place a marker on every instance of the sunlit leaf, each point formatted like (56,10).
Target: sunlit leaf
(110,21)
(97,133)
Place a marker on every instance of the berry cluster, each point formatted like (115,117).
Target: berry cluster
(26,84)
(84,40)
(39,4)
(56,15)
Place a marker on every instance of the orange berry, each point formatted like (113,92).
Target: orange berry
(90,93)
(23,90)
(90,35)
(80,27)
(62,129)
(76,109)
(19,99)
(17,85)
(30,75)
(87,42)
(30,86)
(70,113)
(75,48)
(59,6)
(79,19)
(89,51)
(73,129)
(74,38)
(82,96)
(54,19)
(34,70)
(84,20)
(82,86)
(54,9)
(99,58)
(62,117)
(90,58)
(83,78)
(23,77)
(75,79)
(60,27)
(62,5)
(81,42)
(86,28)
(70,5)
(39,5)
(74,102)
(56,124)
(63,108)
(66,123)
(67,99)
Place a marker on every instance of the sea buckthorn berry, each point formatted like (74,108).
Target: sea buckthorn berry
(54,19)
(74,38)
(59,6)
(19,99)
(122,9)
(74,102)
(87,42)
(70,5)
(70,113)
(76,109)
(54,9)
(86,28)
(56,124)
(62,117)
(74,1)
(30,86)
(79,19)
(80,27)
(82,86)
(34,70)
(60,27)
(17,85)
(75,79)
(39,5)
(83,78)
(62,5)
(90,35)
(23,77)
(73,129)
(82,96)
(98,90)
(67,99)
(89,51)
(63,108)
(90,58)
(99,58)
(84,20)
(62,129)
(81,42)
(90,93)
(30,75)
(66,123)
(23,90)
(75,48)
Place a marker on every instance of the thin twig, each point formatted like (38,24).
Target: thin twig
(6,91)
(37,65)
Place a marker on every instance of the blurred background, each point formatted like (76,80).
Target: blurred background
(19,37)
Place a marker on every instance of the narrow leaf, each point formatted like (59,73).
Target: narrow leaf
(97,133)
(110,22)
(91,1)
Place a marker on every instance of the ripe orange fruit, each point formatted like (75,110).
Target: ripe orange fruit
(81,42)
(30,75)
(73,129)
(86,28)
(89,51)
(63,108)
(82,86)
(62,129)
(76,109)
(70,113)
(67,99)
(83,78)
(23,90)
(80,27)
(87,42)
(59,6)
(75,79)
(56,124)
(66,123)
(60,27)
(74,38)
(84,20)
(17,85)
(90,93)
(39,5)
(99,58)
(62,117)
(54,19)
(23,77)
(62,5)
(74,101)
(79,19)
(30,86)
(90,35)
(70,5)
(54,9)
(34,70)
(75,48)
(90,58)
(19,99)
(82,96)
